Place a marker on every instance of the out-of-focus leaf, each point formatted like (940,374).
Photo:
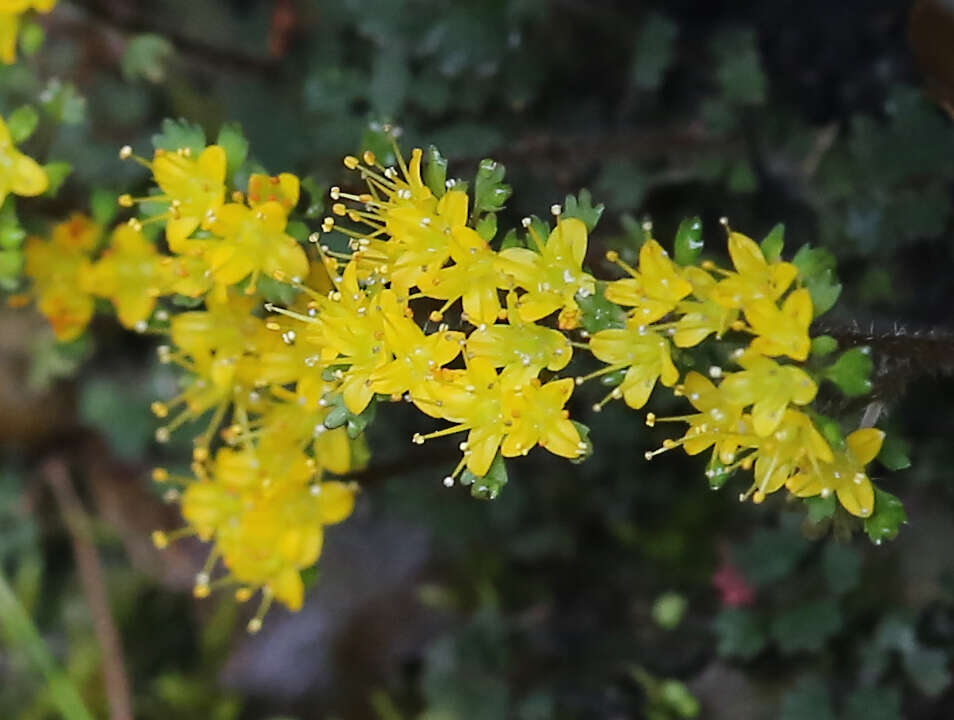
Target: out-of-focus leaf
(145,57)
(807,626)
(741,633)
(809,700)
(655,50)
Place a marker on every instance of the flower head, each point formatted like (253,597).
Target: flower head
(844,475)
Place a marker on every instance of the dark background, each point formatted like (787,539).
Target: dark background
(564,597)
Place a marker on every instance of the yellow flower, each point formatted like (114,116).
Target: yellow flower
(519,346)
(643,352)
(284,189)
(19,174)
(130,273)
(59,270)
(702,317)
(844,475)
(193,189)
(782,331)
(552,275)
(416,355)
(473,278)
(754,279)
(10,14)
(253,241)
(408,226)
(795,443)
(719,422)
(654,290)
(537,417)
(473,400)
(769,388)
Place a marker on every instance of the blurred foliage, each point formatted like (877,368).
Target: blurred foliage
(607,589)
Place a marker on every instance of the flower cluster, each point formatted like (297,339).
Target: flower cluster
(407,294)
(751,419)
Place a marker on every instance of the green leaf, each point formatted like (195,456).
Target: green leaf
(807,626)
(717,472)
(655,50)
(852,372)
(820,508)
(676,696)
(581,206)
(927,669)
(584,431)
(22,123)
(316,197)
(894,452)
(830,430)
(487,227)
(179,134)
(841,565)
(489,486)
(823,345)
(11,263)
(809,700)
(32,37)
(816,269)
(873,704)
(669,610)
(63,103)
(145,57)
(688,244)
(598,312)
(276,292)
(233,141)
(357,424)
(490,191)
(739,67)
(770,554)
(104,206)
(120,411)
(886,520)
(774,243)
(11,237)
(435,171)
(741,633)
(57,172)
(511,239)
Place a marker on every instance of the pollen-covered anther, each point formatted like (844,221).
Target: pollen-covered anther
(715,371)
(449,481)
(351,162)
(159,409)
(651,419)
(160,539)
(556,210)
(125,152)
(417,439)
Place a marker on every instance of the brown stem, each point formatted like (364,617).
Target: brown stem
(94,588)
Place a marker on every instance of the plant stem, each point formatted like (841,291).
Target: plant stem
(22,633)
